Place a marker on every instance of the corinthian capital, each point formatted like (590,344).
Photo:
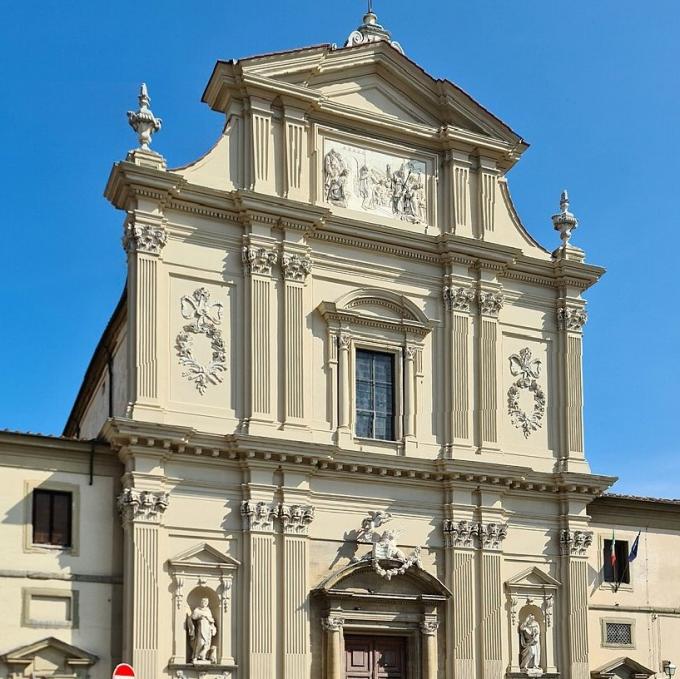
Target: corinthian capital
(459,533)
(491,535)
(458,299)
(570,318)
(296,267)
(295,519)
(490,302)
(575,542)
(147,238)
(332,623)
(258,516)
(258,260)
(142,505)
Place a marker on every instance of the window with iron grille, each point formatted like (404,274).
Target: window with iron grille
(374,395)
(619,633)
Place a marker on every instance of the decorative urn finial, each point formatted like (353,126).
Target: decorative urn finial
(564,221)
(143,121)
(371,31)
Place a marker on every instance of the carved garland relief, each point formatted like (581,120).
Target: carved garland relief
(205,317)
(379,183)
(527,370)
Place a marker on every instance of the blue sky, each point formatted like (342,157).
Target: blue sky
(593,86)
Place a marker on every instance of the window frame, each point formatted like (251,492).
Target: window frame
(397,352)
(52,496)
(374,383)
(36,547)
(606,584)
(617,621)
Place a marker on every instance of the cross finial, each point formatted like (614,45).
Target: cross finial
(370,6)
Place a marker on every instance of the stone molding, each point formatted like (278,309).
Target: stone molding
(296,268)
(458,298)
(575,543)
(259,517)
(490,302)
(571,318)
(142,505)
(146,238)
(258,260)
(461,534)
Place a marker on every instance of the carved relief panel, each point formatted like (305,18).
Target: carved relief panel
(526,406)
(395,183)
(200,347)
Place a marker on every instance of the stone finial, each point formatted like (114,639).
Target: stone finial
(564,221)
(371,31)
(143,121)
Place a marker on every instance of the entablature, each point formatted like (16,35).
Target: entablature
(172,442)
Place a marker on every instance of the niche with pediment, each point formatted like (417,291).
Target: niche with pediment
(374,320)
(202,624)
(532,599)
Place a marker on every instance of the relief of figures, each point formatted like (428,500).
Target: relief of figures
(360,179)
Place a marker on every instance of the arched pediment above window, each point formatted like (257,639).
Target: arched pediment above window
(377,308)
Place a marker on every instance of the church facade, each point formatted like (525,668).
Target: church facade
(334,428)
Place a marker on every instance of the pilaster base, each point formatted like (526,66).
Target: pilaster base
(208,671)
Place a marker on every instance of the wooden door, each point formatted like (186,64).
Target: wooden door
(375,657)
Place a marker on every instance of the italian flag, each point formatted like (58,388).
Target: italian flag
(612,555)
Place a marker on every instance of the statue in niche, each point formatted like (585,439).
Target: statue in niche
(530,643)
(201,629)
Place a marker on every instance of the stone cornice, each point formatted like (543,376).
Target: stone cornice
(167,442)
(172,191)
(128,181)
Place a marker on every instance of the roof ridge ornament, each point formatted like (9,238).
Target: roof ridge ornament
(371,31)
(143,121)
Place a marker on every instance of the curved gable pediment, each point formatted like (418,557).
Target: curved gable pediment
(360,579)
(373,306)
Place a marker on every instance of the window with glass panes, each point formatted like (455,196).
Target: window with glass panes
(52,518)
(374,395)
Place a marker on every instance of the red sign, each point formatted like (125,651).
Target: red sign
(123,671)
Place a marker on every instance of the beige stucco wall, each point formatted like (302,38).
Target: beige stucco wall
(87,576)
(652,599)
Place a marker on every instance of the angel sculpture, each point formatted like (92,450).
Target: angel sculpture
(368,533)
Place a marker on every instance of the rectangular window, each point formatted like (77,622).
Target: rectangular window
(52,517)
(620,570)
(375,395)
(619,633)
